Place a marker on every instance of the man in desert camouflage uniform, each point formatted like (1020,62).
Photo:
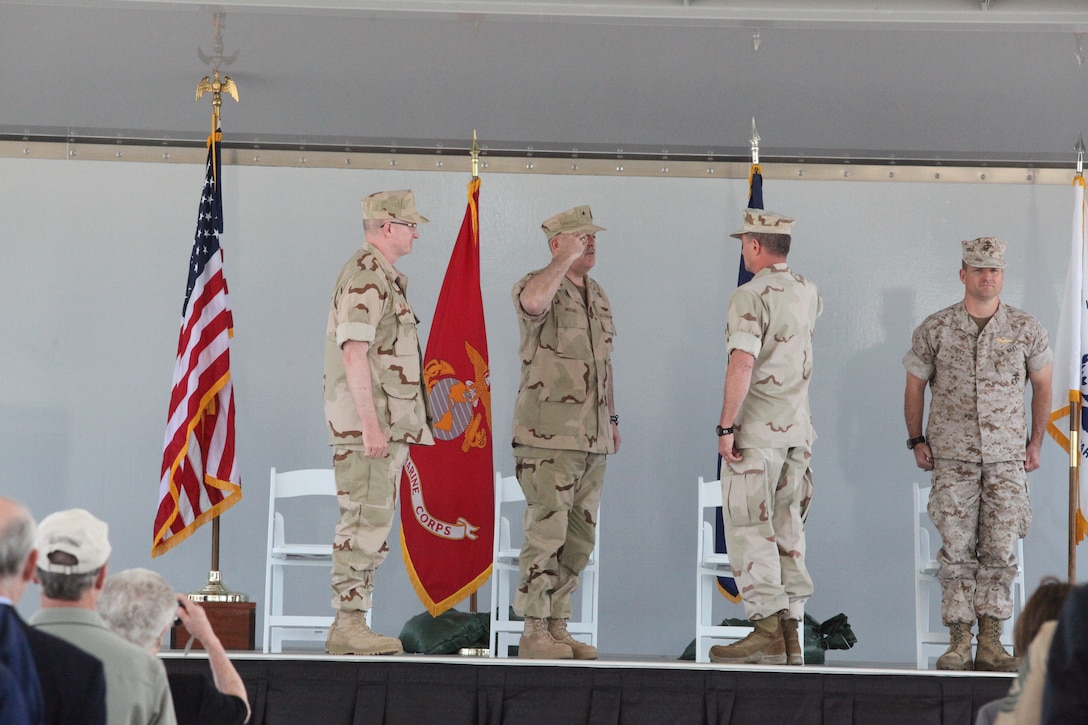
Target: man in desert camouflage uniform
(565,423)
(375,406)
(977,356)
(765,438)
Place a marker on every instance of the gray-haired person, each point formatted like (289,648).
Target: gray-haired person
(140,605)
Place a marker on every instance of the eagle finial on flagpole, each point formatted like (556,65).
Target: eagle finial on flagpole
(217,88)
(1080,154)
(475,151)
(755,142)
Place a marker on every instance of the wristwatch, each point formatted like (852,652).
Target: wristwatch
(723,431)
(912,442)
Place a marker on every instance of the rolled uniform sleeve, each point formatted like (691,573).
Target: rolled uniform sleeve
(919,360)
(359,306)
(1039,354)
(530,325)
(355,332)
(745,323)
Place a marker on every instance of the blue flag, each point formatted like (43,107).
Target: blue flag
(727,584)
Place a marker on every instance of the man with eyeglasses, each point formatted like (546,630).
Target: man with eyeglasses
(375,406)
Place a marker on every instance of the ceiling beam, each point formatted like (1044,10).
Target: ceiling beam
(1039,15)
(1057,15)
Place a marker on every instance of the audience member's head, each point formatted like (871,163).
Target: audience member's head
(17,555)
(1043,605)
(73,548)
(139,605)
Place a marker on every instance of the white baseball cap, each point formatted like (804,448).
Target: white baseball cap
(77,533)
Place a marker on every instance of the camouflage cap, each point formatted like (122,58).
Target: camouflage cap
(761,221)
(984,252)
(578,219)
(392,205)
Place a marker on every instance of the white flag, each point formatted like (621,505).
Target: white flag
(1070,354)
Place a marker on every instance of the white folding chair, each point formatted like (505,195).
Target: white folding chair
(931,637)
(320,484)
(505,631)
(709,565)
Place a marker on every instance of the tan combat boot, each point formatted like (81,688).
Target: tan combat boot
(764,646)
(557,628)
(990,656)
(794,653)
(537,643)
(350,635)
(958,654)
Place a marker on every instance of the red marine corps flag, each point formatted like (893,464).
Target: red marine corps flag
(200,477)
(447,490)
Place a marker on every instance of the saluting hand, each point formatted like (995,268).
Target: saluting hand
(570,245)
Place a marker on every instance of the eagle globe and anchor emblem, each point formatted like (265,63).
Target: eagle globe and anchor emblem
(460,408)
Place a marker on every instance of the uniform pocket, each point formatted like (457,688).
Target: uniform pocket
(744,494)
(564,381)
(572,335)
(402,402)
(407,342)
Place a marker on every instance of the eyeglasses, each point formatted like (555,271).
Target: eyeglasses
(410,225)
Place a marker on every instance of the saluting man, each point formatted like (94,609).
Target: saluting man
(565,424)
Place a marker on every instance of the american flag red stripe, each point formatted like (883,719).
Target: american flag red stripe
(200,477)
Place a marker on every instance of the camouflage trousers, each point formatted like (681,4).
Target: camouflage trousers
(366,489)
(980,510)
(765,499)
(562,493)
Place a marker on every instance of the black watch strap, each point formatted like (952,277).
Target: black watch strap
(723,431)
(912,442)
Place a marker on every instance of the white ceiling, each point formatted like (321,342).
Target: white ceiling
(948,80)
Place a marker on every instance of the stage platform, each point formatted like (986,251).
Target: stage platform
(415,689)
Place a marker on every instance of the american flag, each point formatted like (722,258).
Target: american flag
(200,478)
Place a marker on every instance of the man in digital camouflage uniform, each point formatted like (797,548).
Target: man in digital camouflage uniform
(565,423)
(977,356)
(765,437)
(375,406)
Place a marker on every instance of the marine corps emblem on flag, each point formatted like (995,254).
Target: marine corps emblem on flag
(455,403)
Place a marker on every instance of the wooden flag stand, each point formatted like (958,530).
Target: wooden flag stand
(231,614)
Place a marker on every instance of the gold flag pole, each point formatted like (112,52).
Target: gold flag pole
(214,590)
(1074,433)
(474,151)
(217,88)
